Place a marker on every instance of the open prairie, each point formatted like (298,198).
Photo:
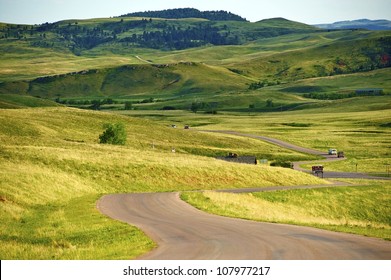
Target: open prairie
(61,83)
(53,170)
(362,209)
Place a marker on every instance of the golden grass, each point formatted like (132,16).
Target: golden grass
(52,170)
(363,136)
(279,212)
(362,210)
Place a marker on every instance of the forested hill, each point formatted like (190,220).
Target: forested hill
(188,13)
(147,31)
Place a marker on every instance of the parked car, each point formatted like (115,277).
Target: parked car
(341,154)
(333,152)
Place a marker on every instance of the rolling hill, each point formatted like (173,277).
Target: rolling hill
(212,58)
(52,172)
(250,77)
(148,30)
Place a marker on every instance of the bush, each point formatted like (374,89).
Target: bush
(114,134)
(286,164)
(128,105)
(168,108)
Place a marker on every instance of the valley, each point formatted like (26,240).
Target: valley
(61,82)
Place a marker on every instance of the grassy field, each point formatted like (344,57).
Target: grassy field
(53,170)
(45,51)
(13,101)
(284,58)
(363,209)
(364,136)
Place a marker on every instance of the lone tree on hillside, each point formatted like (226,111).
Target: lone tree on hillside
(114,134)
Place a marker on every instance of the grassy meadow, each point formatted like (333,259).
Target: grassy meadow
(363,209)
(363,136)
(53,171)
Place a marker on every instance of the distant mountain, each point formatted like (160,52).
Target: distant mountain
(188,13)
(381,24)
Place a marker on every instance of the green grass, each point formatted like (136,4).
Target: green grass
(13,101)
(286,58)
(71,230)
(55,54)
(178,85)
(180,82)
(361,210)
(362,135)
(350,53)
(20,61)
(52,171)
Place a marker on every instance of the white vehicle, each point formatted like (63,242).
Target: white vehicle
(333,152)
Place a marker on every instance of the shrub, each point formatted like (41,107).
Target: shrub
(114,134)
(269,103)
(168,108)
(286,164)
(128,105)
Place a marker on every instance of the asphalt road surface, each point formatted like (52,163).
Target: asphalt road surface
(296,165)
(185,233)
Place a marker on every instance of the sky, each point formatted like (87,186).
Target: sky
(306,11)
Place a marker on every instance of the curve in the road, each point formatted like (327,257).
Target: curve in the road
(183,232)
(296,165)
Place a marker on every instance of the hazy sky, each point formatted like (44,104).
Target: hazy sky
(307,11)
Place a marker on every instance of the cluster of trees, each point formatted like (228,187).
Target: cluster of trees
(261,84)
(86,102)
(269,104)
(71,35)
(282,163)
(166,34)
(84,37)
(144,33)
(16,31)
(210,108)
(97,103)
(336,96)
(188,13)
(177,38)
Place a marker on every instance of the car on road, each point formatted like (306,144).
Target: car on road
(333,152)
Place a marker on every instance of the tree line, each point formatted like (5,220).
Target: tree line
(177,38)
(145,33)
(188,13)
(336,96)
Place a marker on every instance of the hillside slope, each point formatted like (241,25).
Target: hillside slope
(77,36)
(348,53)
(157,80)
(79,62)
(52,172)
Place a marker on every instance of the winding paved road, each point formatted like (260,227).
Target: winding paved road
(183,232)
(296,165)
